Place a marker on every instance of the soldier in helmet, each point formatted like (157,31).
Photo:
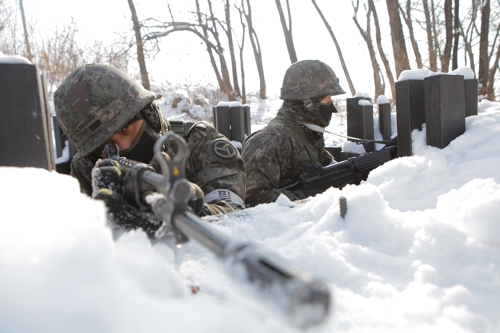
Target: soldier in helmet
(99,104)
(276,155)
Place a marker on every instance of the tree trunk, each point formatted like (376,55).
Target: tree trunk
(490,91)
(209,49)
(409,24)
(254,40)
(26,37)
(377,74)
(287,31)
(227,86)
(242,68)
(381,52)
(430,39)
(483,49)
(229,33)
(456,33)
(140,48)
(446,56)
(339,51)
(398,38)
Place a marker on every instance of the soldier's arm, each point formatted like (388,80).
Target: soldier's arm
(215,165)
(265,158)
(81,169)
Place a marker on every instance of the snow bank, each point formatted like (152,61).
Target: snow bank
(418,251)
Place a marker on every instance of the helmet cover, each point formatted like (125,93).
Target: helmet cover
(94,102)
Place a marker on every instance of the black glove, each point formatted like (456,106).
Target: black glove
(106,174)
(107,186)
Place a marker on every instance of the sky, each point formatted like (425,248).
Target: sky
(180,60)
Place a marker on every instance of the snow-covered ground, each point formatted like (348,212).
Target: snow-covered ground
(418,251)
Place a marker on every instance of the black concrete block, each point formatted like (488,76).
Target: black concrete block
(384,120)
(237,114)
(470,97)
(25,123)
(410,110)
(360,121)
(444,109)
(222,120)
(368,133)
(248,124)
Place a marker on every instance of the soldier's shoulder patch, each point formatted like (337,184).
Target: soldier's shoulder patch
(222,150)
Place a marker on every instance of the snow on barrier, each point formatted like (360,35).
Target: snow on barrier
(441,101)
(360,120)
(232,120)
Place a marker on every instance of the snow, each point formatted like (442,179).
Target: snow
(361,95)
(382,99)
(420,74)
(415,74)
(418,250)
(364,102)
(13,59)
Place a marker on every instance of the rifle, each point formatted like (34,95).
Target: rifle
(305,300)
(317,178)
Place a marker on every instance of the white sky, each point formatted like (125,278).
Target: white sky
(180,60)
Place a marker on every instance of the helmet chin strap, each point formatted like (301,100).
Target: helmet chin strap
(313,127)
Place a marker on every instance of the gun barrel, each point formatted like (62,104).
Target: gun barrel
(305,300)
(370,161)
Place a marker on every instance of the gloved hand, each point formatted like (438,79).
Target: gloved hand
(107,186)
(106,174)
(196,200)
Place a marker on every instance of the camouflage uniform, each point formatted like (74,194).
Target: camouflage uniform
(96,101)
(278,154)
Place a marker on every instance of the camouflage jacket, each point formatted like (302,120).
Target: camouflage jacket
(213,164)
(277,155)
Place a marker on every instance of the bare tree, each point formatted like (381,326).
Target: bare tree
(207,23)
(339,51)
(456,35)
(254,40)
(226,82)
(25,29)
(430,38)
(483,48)
(140,48)
(287,30)
(381,52)
(241,46)
(229,34)
(398,39)
(409,23)
(366,34)
(490,91)
(446,55)
(468,35)
(58,55)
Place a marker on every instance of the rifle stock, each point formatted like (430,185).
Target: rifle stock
(305,300)
(319,178)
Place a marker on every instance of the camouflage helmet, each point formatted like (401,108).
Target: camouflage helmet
(94,102)
(308,79)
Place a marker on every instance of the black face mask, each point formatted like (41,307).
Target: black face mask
(142,148)
(326,111)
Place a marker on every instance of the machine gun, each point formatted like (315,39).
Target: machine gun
(317,178)
(305,300)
